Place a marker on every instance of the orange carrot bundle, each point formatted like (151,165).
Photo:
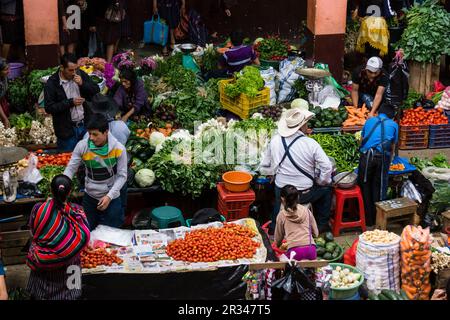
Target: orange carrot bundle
(416,262)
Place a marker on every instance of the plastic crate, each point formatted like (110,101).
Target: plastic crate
(242,105)
(413,137)
(439,136)
(234,205)
(352,129)
(327,130)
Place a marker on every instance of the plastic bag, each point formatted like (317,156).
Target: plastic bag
(350,254)
(295,285)
(331,81)
(409,191)
(329,98)
(269,76)
(287,77)
(32,174)
(112,235)
(434,173)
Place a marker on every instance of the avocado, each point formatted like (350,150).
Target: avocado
(330,247)
(328,237)
(327,124)
(336,253)
(318,124)
(320,251)
(320,242)
(327,256)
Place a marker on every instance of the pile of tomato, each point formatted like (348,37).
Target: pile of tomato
(92,258)
(421,117)
(230,242)
(60,159)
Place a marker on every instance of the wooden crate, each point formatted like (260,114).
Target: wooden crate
(422,76)
(401,209)
(13,246)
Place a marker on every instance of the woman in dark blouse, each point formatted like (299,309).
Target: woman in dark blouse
(68,38)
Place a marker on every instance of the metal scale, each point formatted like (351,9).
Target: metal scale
(188,60)
(9,157)
(314,82)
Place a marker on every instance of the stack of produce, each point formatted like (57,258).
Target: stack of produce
(230,242)
(389,295)
(438,161)
(95,63)
(60,159)
(42,133)
(344,278)
(439,261)
(22,123)
(416,262)
(48,173)
(421,117)
(327,248)
(248,82)
(34,81)
(140,149)
(91,258)
(272,48)
(343,148)
(8,136)
(356,116)
(444,103)
(326,118)
(397,167)
(378,257)
(272,112)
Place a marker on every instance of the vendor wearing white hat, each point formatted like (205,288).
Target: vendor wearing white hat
(295,159)
(369,85)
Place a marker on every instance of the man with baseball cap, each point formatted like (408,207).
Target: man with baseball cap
(369,85)
(295,159)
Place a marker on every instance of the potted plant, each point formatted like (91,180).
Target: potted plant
(424,41)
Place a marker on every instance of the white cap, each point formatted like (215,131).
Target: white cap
(374,64)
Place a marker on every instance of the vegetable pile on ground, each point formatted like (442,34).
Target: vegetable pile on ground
(439,161)
(272,48)
(327,248)
(18,93)
(91,258)
(141,150)
(342,147)
(439,261)
(326,118)
(386,294)
(248,82)
(60,159)
(22,123)
(230,242)
(272,112)
(356,116)
(415,248)
(421,117)
(8,136)
(343,278)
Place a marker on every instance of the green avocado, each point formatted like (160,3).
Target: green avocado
(327,256)
(318,124)
(320,242)
(320,251)
(327,124)
(330,247)
(328,237)
(335,254)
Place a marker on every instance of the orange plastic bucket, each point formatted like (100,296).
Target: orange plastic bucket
(237,181)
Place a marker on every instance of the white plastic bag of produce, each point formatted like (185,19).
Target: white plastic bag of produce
(380,264)
(111,235)
(329,98)
(434,173)
(31,173)
(269,76)
(287,77)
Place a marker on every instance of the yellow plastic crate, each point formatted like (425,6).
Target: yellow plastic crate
(242,104)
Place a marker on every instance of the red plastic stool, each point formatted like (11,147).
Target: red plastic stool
(341,196)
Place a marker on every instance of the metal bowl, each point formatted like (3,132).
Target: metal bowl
(188,47)
(348,182)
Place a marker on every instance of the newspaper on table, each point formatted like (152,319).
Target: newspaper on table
(147,252)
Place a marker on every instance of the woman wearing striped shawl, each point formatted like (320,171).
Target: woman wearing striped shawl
(59,234)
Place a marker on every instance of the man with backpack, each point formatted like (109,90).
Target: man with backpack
(379,136)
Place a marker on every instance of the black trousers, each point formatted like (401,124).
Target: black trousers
(371,189)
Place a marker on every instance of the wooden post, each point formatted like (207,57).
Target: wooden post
(423,76)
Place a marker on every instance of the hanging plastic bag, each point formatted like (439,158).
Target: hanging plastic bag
(295,285)
(331,81)
(32,174)
(92,44)
(329,98)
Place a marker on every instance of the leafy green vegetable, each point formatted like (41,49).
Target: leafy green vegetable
(248,81)
(300,87)
(426,37)
(342,147)
(272,48)
(257,125)
(48,173)
(441,199)
(34,80)
(18,93)
(412,98)
(21,121)
(440,161)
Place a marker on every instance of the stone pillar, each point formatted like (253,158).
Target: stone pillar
(41,33)
(326,22)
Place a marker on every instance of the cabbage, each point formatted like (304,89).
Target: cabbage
(300,104)
(145,178)
(156,138)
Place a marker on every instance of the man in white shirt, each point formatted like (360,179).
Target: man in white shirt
(295,159)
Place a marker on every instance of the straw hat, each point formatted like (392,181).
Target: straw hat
(292,121)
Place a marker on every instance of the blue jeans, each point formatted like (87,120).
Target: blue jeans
(366,99)
(68,145)
(113,216)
